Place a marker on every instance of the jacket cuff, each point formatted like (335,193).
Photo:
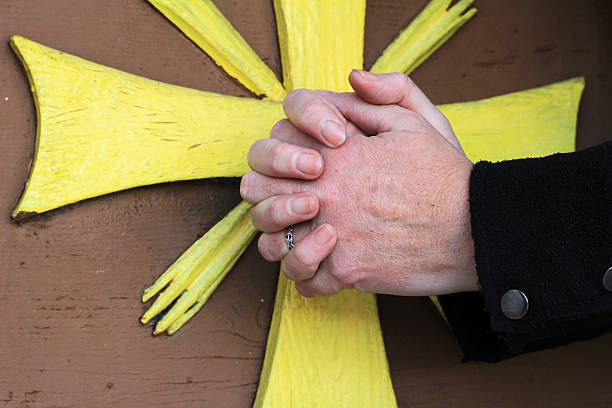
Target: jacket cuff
(543,227)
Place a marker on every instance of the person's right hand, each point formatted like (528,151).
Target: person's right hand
(389,214)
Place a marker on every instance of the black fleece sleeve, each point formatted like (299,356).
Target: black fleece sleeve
(542,226)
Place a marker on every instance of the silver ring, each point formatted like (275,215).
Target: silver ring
(289,237)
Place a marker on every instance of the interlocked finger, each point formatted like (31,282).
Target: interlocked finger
(373,119)
(302,261)
(273,247)
(255,187)
(275,158)
(315,116)
(321,284)
(397,88)
(285,131)
(277,213)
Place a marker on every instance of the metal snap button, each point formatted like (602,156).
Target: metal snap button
(514,304)
(607,279)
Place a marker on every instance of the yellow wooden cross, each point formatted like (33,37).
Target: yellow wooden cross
(101,130)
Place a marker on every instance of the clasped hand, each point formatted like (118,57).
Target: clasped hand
(377,186)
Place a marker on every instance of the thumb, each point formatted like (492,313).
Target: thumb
(398,89)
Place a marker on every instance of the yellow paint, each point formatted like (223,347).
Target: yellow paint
(532,123)
(438,306)
(101,130)
(199,270)
(321,41)
(425,34)
(323,352)
(204,24)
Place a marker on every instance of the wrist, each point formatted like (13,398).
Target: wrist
(465,277)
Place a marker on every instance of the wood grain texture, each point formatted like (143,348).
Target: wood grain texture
(320,42)
(70,336)
(204,24)
(102,130)
(427,32)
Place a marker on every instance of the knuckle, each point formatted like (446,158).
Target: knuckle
(267,249)
(305,261)
(418,119)
(329,289)
(313,110)
(347,275)
(292,271)
(294,96)
(278,128)
(332,290)
(276,211)
(303,289)
(406,87)
(276,154)
(269,187)
(395,110)
(302,266)
(288,271)
(257,217)
(405,80)
(408,118)
(253,152)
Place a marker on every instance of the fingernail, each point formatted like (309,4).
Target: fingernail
(324,235)
(301,205)
(333,132)
(359,71)
(308,163)
(366,75)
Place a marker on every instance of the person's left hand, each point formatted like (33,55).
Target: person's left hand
(388,214)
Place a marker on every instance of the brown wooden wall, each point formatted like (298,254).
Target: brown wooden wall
(70,280)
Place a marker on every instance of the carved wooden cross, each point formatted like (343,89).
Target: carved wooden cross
(101,130)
